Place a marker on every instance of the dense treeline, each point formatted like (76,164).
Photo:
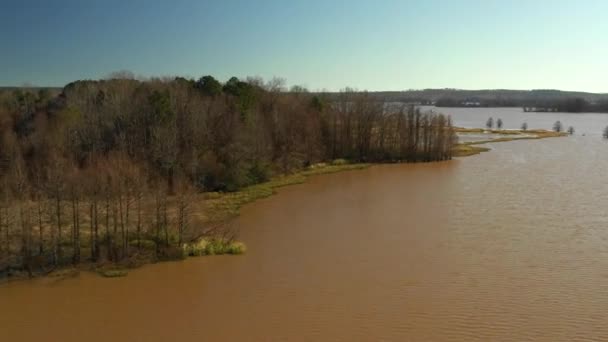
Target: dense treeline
(565,105)
(568,105)
(566,101)
(104,167)
(476,102)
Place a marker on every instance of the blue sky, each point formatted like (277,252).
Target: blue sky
(321,44)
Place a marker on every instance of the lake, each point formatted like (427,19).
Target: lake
(510,245)
(583,123)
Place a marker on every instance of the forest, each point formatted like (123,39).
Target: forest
(100,171)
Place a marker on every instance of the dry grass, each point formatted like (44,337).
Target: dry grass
(468,148)
(468,130)
(481,130)
(214,247)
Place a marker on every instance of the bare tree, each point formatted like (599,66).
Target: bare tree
(119,155)
(185,196)
(490,123)
(74,190)
(557,126)
(499,123)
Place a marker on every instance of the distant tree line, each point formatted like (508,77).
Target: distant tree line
(536,104)
(94,171)
(530,99)
(476,102)
(568,105)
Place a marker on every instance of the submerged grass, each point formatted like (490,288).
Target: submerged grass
(112,272)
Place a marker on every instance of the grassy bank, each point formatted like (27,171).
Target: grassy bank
(220,207)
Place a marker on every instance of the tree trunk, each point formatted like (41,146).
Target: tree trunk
(126,233)
(115,231)
(58,251)
(40,229)
(76,232)
(165,223)
(25,241)
(108,238)
(96,233)
(92,232)
(122,224)
(139,221)
(1,221)
(158,224)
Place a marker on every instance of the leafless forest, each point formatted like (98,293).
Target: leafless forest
(91,172)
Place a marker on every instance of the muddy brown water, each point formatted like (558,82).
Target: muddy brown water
(510,245)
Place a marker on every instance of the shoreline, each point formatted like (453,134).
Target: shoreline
(219,208)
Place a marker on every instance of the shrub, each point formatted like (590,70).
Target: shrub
(172,253)
(235,248)
(214,247)
(259,173)
(339,162)
(197,248)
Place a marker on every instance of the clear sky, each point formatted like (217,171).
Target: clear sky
(321,44)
